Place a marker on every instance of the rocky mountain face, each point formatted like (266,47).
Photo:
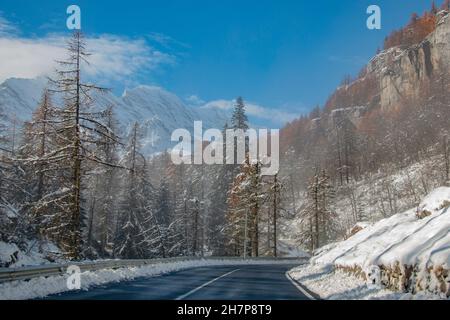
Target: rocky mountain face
(394,76)
(158,111)
(404,72)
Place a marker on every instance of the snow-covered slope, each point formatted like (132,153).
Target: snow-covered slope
(157,110)
(32,254)
(403,238)
(19,97)
(408,252)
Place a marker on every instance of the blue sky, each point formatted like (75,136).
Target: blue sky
(284,55)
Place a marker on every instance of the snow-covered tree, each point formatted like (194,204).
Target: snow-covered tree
(102,189)
(244,210)
(41,167)
(317,214)
(133,204)
(80,130)
(274,208)
(239,119)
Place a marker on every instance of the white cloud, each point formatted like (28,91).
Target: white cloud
(113,58)
(120,58)
(23,58)
(275,116)
(166,41)
(6,28)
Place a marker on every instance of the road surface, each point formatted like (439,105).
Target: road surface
(241,282)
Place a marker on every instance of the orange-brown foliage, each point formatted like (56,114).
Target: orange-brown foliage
(416,31)
(364,91)
(359,93)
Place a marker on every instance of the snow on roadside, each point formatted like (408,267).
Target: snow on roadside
(408,252)
(337,285)
(42,287)
(402,238)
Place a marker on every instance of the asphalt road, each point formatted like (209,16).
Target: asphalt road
(241,282)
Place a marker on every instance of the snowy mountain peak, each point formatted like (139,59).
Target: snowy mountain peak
(158,111)
(147,90)
(19,97)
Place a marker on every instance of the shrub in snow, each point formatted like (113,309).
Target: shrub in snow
(445,205)
(357,228)
(423,214)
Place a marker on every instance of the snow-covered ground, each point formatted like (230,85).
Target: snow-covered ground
(378,195)
(33,255)
(402,238)
(42,287)
(338,285)
(410,250)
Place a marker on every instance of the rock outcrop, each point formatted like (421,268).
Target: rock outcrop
(404,72)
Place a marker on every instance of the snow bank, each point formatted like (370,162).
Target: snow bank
(42,287)
(333,284)
(410,249)
(401,239)
(436,200)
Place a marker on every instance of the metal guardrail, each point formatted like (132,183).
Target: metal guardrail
(27,273)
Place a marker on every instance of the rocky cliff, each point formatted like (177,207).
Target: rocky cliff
(402,73)
(398,76)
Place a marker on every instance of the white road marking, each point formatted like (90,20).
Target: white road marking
(299,287)
(184,296)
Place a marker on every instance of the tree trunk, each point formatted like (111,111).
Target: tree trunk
(275,215)
(446,158)
(195,242)
(76,214)
(316,214)
(40,190)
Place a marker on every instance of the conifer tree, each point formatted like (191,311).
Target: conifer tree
(244,212)
(275,192)
(80,128)
(239,119)
(103,187)
(36,155)
(133,201)
(317,213)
